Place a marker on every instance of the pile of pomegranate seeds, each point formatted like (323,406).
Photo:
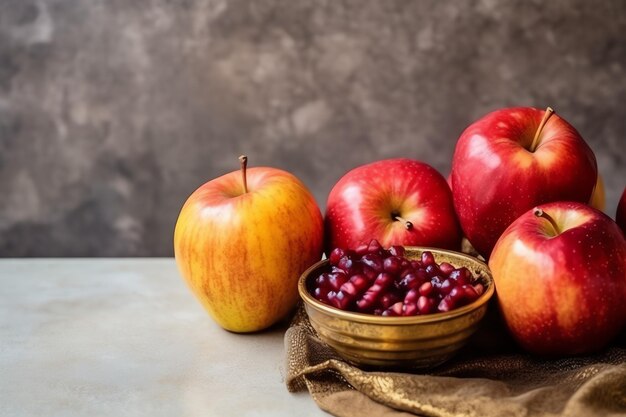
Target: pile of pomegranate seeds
(373,280)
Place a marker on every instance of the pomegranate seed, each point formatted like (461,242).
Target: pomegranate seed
(446,286)
(470,293)
(348,288)
(322,280)
(433,270)
(436,281)
(357,268)
(409,309)
(406,271)
(461,275)
(479,289)
(369,273)
(374,261)
(456,294)
(336,280)
(336,255)
(341,300)
(384,279)
(413,279)
(387,300)
(446,268)
(424,304)
(394,310)
(409,281)
(396,251)
(367,302)
(392,264)
(422,274)
(355,285)
(318,294)
(416,264)
(411,296)
(334,270)
(426,289)
(345,264)
(427,258)
(373,246)
(446,304)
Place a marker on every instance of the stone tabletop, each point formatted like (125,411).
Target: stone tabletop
(124,337)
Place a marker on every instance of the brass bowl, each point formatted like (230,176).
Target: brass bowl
(391,342)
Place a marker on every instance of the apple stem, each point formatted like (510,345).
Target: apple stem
(540,213)
(549,112)
(407,224)
(244,164)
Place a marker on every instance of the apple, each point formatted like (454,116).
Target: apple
(598,198)
(395,201)
(512,160)
(466,245)
(242,241)
(560,275)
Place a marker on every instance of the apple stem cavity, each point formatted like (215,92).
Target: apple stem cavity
(407,224)
(549,112)
(540,213)
(243,159)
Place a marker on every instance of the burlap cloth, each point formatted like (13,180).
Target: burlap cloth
(490,377)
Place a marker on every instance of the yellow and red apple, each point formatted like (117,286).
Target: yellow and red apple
(598,198)
(241,242)
(395,201)
(560,275)
(512,160)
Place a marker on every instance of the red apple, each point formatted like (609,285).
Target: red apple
(397,202)
(512,160)
(560,275)
(241,242)
(620,215)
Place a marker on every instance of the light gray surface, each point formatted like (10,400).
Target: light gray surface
(113,112)
(126,338)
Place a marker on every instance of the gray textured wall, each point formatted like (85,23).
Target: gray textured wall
(113,112)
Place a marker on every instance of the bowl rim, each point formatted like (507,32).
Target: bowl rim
(394,321)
